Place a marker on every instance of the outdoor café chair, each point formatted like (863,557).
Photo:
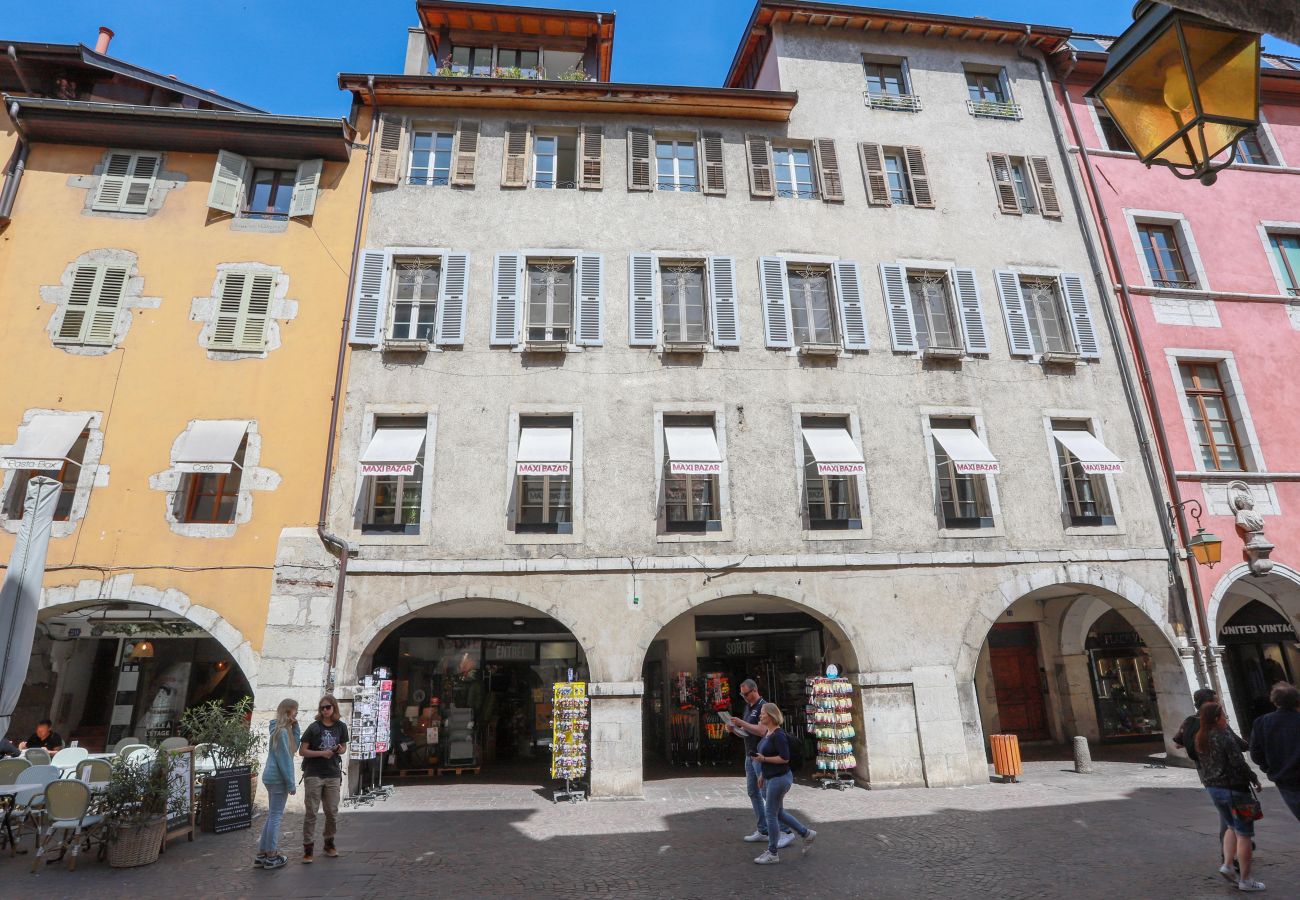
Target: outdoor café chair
(66,814)
(127,749)
(93,770)
(174,743)
(125,742)
(39,776)
(204,763)
(37,756)
(142,757)
(67,759)
(9,769)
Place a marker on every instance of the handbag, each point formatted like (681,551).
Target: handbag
(1248,810)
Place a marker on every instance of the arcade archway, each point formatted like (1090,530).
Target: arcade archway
(1256,621)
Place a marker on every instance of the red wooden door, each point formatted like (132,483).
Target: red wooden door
(1013,652)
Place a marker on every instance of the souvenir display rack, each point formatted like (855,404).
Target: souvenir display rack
(570,722)
(716,745)
(830,719)
(369,735)
(684,721)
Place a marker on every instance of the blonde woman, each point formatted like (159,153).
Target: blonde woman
(773,756)
(280,782)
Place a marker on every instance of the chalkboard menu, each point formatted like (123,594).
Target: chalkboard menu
(227,800)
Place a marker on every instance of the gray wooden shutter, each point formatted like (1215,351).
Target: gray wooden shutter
(591,299)
(591,158)
(872,157)
(642,300)
(1076,301)
(1008,202)
(228,180)
(759,152)
(126,182)
(1013,313)
(828,170)
(902,330)
(230,300)
(256,314)
(914,158)
(389,138)
(81,301)
(368,304)
(112,183)
(507,299)
(139,187)
(638,159)
(967,290)
(775,291)
(714,177)
(1048,201)
(108,300)
(853,314)
(462,170)
(243,311)
(514,163)
(723,304)
(306,187)
(453,299)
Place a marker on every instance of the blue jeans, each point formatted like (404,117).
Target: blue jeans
(753,769)
(1223,800)
(774,791)
(276,796)
(1291,797)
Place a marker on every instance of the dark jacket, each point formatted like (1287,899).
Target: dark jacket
(1275,747)
(1186,737)
(1222,765)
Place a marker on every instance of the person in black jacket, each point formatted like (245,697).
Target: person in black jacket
(1185,738)
(1228,779)
(1275,744)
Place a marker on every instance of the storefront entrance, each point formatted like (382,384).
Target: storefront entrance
(1013,654)
(1260,650)
(1122,682)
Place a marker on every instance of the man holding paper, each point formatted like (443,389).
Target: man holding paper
(749,729)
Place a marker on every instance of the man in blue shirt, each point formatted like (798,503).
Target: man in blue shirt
(1275,743)
(749,729)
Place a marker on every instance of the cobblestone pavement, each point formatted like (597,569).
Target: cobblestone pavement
(1129,831)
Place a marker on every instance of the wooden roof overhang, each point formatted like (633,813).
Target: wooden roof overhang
(571,96)
(43,120)
(548,27)
(886,21)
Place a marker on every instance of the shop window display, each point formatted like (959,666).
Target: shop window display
(1259,650)
(1122,682)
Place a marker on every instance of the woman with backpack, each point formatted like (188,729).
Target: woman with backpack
(278,776)
(773,756)
(1228,780)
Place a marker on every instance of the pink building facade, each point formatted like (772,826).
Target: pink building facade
(1208,281)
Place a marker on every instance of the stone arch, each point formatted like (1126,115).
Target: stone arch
(1239,572)
(1078,620)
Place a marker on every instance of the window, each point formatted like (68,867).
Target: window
(811,305)
(544,473)
(676,166)
(471,60)
(988,94)
(1250,149)
(415,298)
(127,182)
(683,303)
(830,490)
(1049,330)
(1215,430)
(930,296)
(963,494)
(1024,188)
(1164,256)
(431,157)
(264,190)
(1111,137)
(794,172)
(393,494)
(90,316)
(1086,494)
(900,185)
(270,191)
(67,475)
(550,300)
(508,60)
(692,466)
(211,497)
(885,78)
(243,311)
(1286,250)
(555,161)
(1025,184)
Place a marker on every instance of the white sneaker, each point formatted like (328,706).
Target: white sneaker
(769,858)
(808,840)
(785,840)
(755,838)
(1243,885)
(1228,873)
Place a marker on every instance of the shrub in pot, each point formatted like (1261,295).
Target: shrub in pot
(227,729)
(136,803)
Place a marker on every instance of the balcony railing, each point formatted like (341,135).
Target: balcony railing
(1180,284)
(896,102)
(994,109)
(513,73)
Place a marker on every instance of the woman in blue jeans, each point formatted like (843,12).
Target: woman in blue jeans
(774,756)
(280,782)
(1228,780)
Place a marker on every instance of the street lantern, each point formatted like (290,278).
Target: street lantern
(1206,547)
(1182,88)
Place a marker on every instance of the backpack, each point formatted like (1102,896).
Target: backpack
(796,755)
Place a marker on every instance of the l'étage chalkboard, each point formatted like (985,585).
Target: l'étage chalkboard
(227,800)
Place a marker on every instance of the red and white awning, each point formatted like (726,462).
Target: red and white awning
(693,450)
(392,451)
(45,442)
(834,451)
(545,451)
(968,454)
(210,447)
(1094,457)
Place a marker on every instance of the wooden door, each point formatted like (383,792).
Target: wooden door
(1017,682)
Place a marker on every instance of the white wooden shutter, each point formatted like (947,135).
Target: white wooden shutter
(228,180)
(638,160)
(108,300)
(872,157)
(1008,202)
(714,169)
(1048,201)
(368,304)
(591,299)
(642,300)
(914,159)
(507,299)
(306,187)
(1076,301)
(90,315)
(828,170)
(453,300)
(81,300)
(257,312)
(967,290)
(723,304)
(591,157)
(1013,313)
(466,156)
(514,161)
(853,314)
(775,291)
(243,311)
(126,182)
(112,183)
(139,187)
(388,139)
(758,149)
(902,330)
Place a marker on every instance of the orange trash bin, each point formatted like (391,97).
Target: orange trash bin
(1006,756)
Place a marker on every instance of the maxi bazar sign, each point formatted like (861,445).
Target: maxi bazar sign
(842,468)
(388,468)
(676,467)
(543,468)
(970,467)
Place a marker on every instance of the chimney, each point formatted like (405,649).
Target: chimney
(417,53)
(105,35)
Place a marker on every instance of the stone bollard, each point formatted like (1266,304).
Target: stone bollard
(1082,756)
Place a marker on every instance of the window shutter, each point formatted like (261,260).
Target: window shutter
(638,159)
(902,330)
(853,315)
(1013,312)
(642,300)
(243,310)
(453,298)
(776,302)
(112,183)
(722,301)
(591,299)
(108,300)
(592,157)
(462,172)
(389,137)
(872,157)
(230,299)
(139,187)
(228,178)
(81,300)
(368,304)
(1048,201)
(761,182)
(514,164)
(1007,201)
(1085,334)
(967,289)
(507,299)
(306,186)
(715,170)
(256,313)
(828,170)
(914,157)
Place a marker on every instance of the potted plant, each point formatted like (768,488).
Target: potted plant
(227,729)
(136,803)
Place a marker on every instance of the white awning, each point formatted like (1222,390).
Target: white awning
(1092,454)
(693,451)
(45,442)
(211,446)
(392,451)
(968,454)
(834,451)
(544,451)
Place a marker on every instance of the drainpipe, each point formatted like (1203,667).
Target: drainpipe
(328,538)
(14,174)
(1206,668)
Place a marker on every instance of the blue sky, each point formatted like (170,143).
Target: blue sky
(284,55)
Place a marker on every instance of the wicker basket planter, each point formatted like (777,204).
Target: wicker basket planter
(137,845)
